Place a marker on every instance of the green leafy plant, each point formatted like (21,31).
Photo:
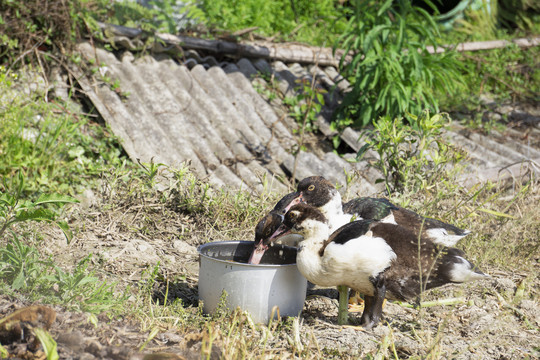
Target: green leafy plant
(14,209)
(81,288)
(151,170)
(3,352)
(305,105)
(390,68)
(48,343)
(19,264)
(411,157)
(23,269)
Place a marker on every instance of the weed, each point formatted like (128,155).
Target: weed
(150,277)
(306,105)
(13,209)
(151,170)
(22,269)
(20,264)
(48,343)
(411,157)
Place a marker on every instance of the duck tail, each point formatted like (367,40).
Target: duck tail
(462,270)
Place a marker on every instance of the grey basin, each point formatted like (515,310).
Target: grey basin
(254,288)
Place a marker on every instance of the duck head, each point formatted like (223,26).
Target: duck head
(316,191)
(263,231)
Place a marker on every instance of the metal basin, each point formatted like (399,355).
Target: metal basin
(256,289)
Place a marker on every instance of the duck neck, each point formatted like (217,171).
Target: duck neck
(314,236)
(333,211)
(309,260)
(333,207)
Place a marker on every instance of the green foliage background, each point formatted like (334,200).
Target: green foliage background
(317,22)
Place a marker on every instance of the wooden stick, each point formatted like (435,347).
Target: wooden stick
(451,301)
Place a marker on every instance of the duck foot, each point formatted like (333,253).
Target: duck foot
(356,308)
(356,303)
(373,306)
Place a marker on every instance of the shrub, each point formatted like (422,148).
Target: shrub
(411,158)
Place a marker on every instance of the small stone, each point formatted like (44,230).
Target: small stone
(171,338)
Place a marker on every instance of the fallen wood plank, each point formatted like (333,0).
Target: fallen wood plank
(288,52)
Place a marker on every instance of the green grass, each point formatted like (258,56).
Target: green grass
(505,75)
(315,22)
(25,272)
(56,150)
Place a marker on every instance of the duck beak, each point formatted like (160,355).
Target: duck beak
(258,253)
(297,200)
(281,231)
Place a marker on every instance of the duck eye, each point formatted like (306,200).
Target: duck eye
(311,187)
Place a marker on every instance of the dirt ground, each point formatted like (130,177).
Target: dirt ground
(488,323)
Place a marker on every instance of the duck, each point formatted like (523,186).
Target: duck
(269,224)
(322,194)
(380,260)
(319,192)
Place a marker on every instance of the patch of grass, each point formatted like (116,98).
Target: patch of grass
(316,22)
(24,271)
(56,150)
(501,76)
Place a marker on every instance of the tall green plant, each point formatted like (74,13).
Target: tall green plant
(386,59)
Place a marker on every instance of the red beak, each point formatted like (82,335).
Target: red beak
(257,253)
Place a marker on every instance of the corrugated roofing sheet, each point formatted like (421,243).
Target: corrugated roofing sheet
(210,114)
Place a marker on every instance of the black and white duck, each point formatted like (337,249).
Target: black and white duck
(270,223)
(380,260)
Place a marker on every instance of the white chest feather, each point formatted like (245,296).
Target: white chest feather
(351,264)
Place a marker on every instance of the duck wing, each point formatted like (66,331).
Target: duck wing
(347,232)
(369,208)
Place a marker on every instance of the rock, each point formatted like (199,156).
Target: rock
(185,248)
(73,340)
